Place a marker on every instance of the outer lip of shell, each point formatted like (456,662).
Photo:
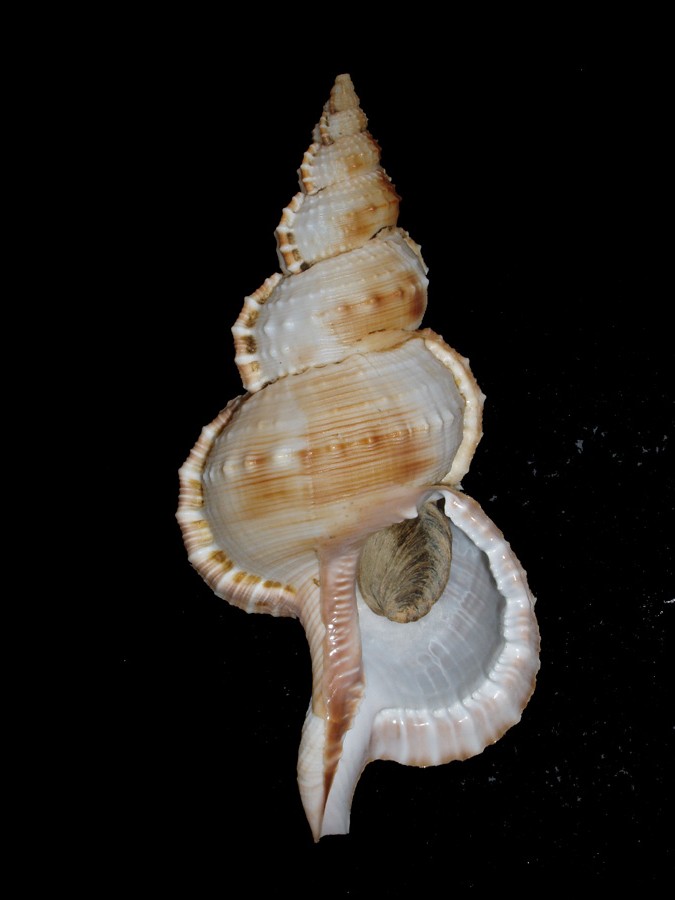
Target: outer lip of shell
(409,713)
(495,703)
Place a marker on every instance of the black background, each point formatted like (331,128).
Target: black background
(528,179)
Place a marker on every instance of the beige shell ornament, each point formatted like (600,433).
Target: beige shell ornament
(330,490)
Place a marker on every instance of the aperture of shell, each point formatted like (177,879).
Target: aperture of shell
(403,569)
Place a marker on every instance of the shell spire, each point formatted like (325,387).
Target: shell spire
(347,271)
(346,195)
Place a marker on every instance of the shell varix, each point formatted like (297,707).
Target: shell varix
(329,491)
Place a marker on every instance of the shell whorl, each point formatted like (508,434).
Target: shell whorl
(319,316)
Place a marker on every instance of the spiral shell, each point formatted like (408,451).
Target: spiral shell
(353,422)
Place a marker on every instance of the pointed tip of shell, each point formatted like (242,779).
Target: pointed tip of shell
(342,113)
(346,197)
(342,95)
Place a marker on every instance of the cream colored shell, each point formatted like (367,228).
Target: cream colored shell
(352,420)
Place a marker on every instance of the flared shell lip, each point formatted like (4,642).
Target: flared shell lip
(470,725)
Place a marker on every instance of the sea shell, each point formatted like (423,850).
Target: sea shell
(354,420)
